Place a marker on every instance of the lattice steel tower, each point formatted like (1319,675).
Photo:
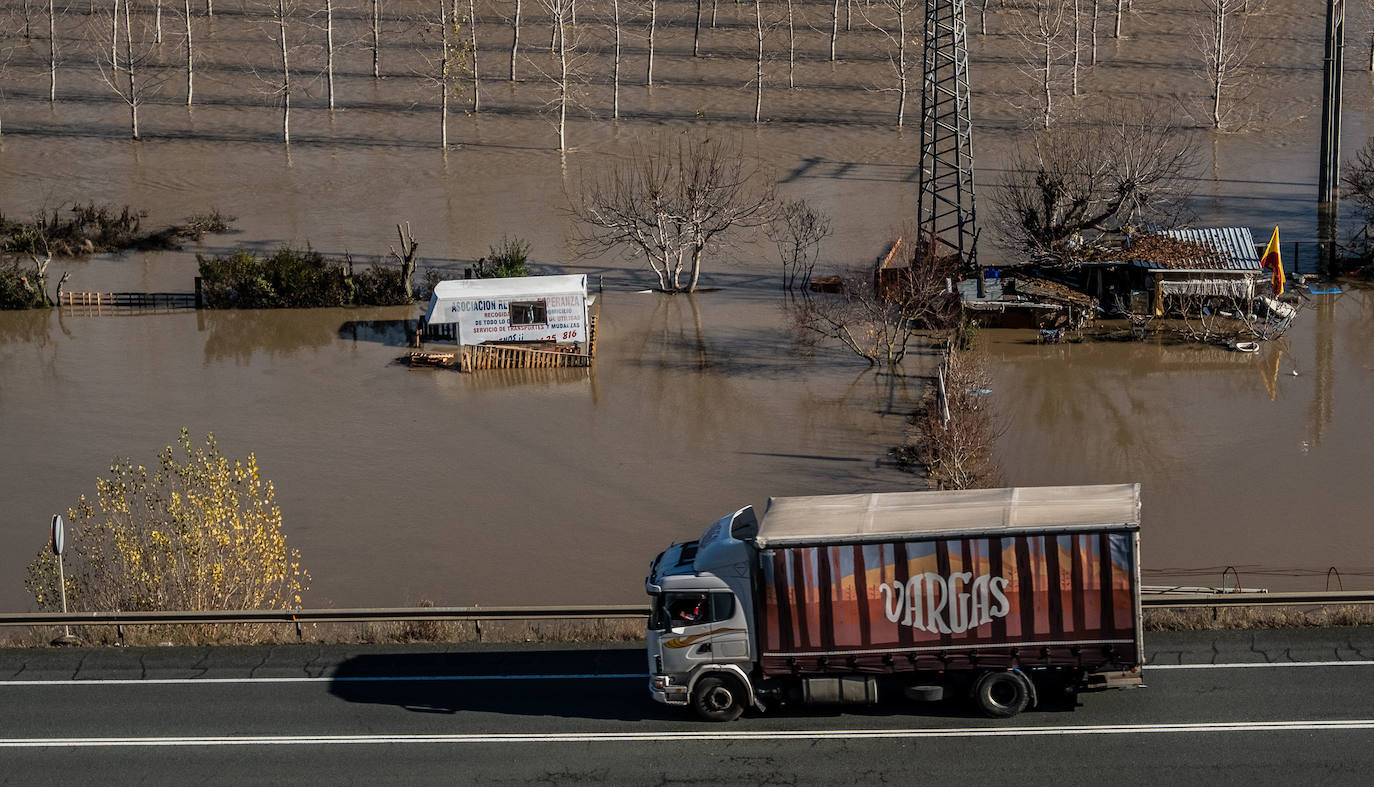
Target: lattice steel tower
(945,212)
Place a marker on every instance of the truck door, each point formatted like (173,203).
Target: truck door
(729,630)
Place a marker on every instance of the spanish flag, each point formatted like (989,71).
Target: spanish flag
(1273,261)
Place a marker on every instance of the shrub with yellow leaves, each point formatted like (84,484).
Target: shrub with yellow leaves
(199,531)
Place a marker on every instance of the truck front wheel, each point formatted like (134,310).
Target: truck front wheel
(718,698)
(1002,695)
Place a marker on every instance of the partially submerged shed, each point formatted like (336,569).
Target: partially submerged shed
(1231,270)
(513,310)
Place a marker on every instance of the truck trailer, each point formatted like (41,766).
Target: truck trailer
(1000,596)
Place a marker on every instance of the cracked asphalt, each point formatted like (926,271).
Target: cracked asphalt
(60,710)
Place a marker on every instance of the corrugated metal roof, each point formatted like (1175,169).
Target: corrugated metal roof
(1235,249)
(858,518)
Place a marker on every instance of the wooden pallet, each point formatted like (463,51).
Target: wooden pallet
(498,356)
(423,359)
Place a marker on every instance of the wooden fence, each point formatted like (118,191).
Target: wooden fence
(127,301)
(498,356)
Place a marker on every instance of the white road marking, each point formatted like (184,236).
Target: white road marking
(712,736)
(318,679)
(1262,664)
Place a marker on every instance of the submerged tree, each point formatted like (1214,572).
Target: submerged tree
(797,231)
(1067,187)
(1225,51)
(671,201)
(197,531)
(877,323)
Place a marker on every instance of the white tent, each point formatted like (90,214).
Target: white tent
(523,309)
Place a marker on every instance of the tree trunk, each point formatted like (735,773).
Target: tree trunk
(713,14)
(52,53)
(615,67)
(1077,48)
(983,18)
(190,57)
(696,33)
(443,74)
(209,7)
(1218,62)
(562,80)
(133,84)
(376,38)
(476,85)
(791,48)
(653,22)
(114,37)
(901,62)
(285,75)
(1045,84)
(758,92)
(1116,29)
(329,50)
(515,39)
(834,29)
(157,21)
(696,252)
(1097,7)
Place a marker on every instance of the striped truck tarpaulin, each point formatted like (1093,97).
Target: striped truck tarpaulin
(1023,600)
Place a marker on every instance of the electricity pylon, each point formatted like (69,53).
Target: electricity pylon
(945,213)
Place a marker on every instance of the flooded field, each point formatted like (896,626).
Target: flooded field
(400,485)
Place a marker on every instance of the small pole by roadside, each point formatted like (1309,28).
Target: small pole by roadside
(58,539)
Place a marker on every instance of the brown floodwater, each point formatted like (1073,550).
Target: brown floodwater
(559,486)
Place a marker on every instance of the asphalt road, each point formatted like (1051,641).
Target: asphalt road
(1236,707)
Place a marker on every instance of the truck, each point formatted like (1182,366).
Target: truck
(1001,597)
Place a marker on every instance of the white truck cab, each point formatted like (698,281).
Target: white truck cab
(701,627)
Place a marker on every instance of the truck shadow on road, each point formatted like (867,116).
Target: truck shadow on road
(584,684)
(608,684)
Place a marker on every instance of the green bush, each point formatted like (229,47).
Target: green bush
(507,260)
(14,294)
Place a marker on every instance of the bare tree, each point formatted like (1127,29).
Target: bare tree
(1067,188)
(1116,28)
(376,39)
(696,33)
(653,25)
(758,76)
(329,50)
(672,201)
(285,85)
(1093,32)
(879,324)
(834,29)
(1225,50)
(472,57)
(953,431)
(1043,32)
(559,10)
(894,29)
(1077,44)
(797,231)
(127,77)
(615,66)
(791,48)
(190,56)
(515,39)
(406,258)
(52,51)
(444,68)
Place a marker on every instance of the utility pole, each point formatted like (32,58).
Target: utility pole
(1328,180)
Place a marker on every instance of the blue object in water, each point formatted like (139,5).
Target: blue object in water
(1332,291)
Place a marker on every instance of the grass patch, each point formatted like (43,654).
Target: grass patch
(296,278)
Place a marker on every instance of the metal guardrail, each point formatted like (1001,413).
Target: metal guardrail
(601,611)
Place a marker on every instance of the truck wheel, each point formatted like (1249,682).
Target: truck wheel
(718,698)
(1002,695)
